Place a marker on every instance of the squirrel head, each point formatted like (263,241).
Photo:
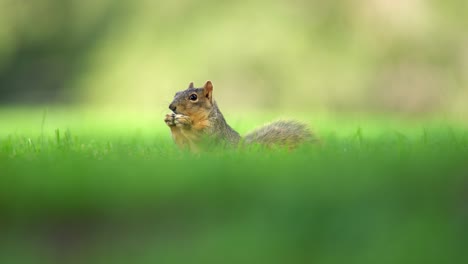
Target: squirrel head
(193,100)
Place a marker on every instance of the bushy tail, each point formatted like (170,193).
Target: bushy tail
(280,133)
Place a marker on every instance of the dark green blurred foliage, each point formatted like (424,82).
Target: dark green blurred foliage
(43,46)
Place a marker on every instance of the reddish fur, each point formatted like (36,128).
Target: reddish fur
(199,120)
(187,137)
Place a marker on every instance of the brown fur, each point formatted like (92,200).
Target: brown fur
(194,122)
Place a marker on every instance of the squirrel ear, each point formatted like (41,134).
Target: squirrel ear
(208,90)
(190,85)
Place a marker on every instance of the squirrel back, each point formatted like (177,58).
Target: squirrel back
(196,121)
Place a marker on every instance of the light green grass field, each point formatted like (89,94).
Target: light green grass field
(105,187)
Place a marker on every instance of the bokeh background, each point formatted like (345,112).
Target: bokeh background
(89,172)
(407,57)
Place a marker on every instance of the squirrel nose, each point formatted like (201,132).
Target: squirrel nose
(172,107)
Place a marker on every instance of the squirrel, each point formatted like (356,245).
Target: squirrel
(196,120)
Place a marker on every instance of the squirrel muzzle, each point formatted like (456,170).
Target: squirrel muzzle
(173,108)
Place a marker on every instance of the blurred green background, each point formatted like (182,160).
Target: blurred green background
(89,172)
(402,56)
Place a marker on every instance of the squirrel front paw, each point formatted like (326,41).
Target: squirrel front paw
(182,121)
(169,119)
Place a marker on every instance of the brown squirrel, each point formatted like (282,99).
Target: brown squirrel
(197,120)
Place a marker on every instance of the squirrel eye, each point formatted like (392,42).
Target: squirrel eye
(193,97)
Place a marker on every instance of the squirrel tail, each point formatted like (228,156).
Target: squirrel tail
(280,133)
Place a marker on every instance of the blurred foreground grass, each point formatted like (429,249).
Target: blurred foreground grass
(94,187)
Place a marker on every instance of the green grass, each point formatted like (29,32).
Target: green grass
(87,187)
